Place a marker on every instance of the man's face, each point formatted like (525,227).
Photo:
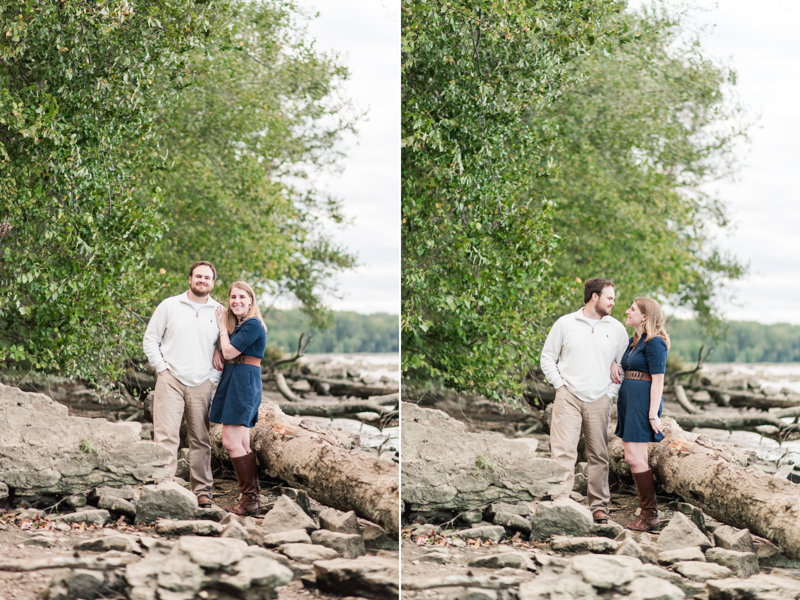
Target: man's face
(202,281)
(605,301)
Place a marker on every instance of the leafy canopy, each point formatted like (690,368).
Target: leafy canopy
(80,87)
(241,145)
(645,127)
(137,137)
(476,248)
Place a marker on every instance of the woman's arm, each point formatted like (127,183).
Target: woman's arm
(656,391)
(228,351)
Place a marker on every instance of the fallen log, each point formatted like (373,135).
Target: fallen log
(743,399)
(740,422)
(322,462)
(343,387)
(284,389)
(680,394)
(350,409)
(718,479)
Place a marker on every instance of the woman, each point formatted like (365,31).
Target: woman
(639,404)
(242,340)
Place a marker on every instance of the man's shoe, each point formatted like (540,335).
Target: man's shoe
(600,516)
(247,474)
(648,518)
(204,501)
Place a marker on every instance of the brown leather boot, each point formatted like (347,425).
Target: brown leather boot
(247,474)
(648,518)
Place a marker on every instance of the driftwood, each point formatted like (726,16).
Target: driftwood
(740,398)
(100,563)
(680,395)
(342,387)
(383,408)
(283,388)
(701,358)
(321,461)
(717,478)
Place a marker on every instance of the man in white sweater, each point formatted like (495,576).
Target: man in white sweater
(179,343)
(576,359)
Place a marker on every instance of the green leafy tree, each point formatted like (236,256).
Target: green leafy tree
(241,145)
(644,128)
(476,247)
(81,83)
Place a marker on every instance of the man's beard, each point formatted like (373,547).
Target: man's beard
(199,293)
(603,312)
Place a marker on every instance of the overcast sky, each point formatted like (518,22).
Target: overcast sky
(762,42)
(366,35)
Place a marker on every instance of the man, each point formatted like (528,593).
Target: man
(180,343)
(576,359)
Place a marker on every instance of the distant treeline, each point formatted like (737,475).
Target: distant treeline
(351,332)
(744,342)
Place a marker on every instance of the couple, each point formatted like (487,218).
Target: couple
(189,339)
(581,358)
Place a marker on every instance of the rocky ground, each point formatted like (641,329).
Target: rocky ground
(168,547)
(465,545)
(81,517)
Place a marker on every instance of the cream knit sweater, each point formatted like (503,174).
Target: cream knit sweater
(181,339)
(579,355)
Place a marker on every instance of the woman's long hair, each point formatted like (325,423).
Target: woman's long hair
(232,320)
(653,320)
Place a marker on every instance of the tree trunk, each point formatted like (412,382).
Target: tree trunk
(744,399)
(343,387)
(717,479)
(321,461)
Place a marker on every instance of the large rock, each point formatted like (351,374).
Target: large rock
(494,533)
(561,517)
(307,553)
(375,577)
(446,468)
(44,451)
(334,520)
(702,571)
(286,515)
(348,545)
(166,500)
(743,564)
(729,538)
(194,565)
(501,560)
(757,587)
(682,533)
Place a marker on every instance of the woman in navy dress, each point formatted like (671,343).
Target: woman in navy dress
(640,400)
(242,339)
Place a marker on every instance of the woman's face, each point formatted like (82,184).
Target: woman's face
(635,316)
(239,302)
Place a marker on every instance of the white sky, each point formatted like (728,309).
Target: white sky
(762,42)
(366,35)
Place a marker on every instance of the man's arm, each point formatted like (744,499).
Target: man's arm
(550,353)
(622,344)
(153,336)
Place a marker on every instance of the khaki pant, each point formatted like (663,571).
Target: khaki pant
(174,400)
(570,414)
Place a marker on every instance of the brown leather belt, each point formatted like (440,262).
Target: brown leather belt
(244,360)
(638,375)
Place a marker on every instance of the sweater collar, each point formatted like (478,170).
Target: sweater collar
(580,316)
(184,297)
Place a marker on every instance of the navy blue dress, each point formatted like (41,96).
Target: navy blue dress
(633,406)
(239,391)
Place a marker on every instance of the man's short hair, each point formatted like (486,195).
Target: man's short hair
(595,286)
(202,263)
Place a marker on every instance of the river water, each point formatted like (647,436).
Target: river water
(768,376)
